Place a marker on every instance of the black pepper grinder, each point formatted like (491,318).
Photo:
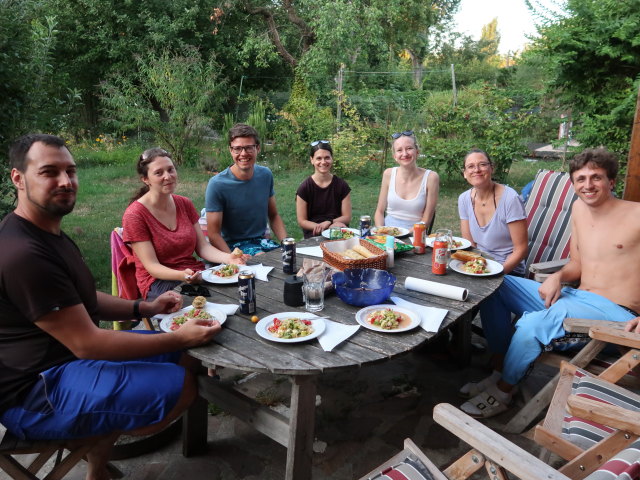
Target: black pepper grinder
(293,291)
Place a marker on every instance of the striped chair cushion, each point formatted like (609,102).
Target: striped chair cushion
(549,216)
(624,466)
(585,433)
(409,468)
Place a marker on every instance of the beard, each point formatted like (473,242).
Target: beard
(52,207)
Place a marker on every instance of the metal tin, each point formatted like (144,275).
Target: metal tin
(289,256)
(419,238)
(247,291)
(365,226)
(439,257)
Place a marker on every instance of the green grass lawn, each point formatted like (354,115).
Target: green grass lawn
(105,190)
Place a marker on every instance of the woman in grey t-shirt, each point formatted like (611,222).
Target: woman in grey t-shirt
(492,216)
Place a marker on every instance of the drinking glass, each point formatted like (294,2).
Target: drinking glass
(313,290)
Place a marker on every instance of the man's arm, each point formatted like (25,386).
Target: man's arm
(275,221)
(73,327)
(552,287)
(214,229)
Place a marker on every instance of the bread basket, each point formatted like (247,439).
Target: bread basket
(331,256)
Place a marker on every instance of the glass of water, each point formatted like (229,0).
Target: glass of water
(313,290)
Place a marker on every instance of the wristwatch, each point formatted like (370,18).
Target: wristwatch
(136,309)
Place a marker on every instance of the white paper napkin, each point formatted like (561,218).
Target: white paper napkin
(311,251)
(431,317)
(260,271)
(335,333)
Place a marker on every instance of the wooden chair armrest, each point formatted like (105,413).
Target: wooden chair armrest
(610,415)
(615,334)
(548,267)
(500,450)
(584,325)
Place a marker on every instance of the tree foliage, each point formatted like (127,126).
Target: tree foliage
(594,53)
(171,94)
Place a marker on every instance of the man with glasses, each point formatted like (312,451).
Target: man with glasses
(240,199)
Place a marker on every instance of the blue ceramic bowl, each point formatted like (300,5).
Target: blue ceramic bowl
(363,286)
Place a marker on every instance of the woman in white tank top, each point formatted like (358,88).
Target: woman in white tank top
(408,193)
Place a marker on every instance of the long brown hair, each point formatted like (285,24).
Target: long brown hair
(142,168)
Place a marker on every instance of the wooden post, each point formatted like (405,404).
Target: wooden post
(632,180)
(453,85)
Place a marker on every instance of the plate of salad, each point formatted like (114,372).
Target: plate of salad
(173,322)
(221,274)
(290,327)
(387,318)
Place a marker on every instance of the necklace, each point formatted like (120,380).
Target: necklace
(475,194)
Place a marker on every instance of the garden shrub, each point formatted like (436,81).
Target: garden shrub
(482,118)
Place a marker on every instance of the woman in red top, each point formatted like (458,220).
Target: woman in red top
(163,230)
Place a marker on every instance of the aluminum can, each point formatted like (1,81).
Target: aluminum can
(365,226)
(439,256)
(419,238)
(289,256)
(247,291)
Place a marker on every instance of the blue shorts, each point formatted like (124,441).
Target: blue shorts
(84,398)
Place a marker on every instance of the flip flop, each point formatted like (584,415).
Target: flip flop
(484,405)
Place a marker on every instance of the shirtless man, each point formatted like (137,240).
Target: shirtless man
(605,252)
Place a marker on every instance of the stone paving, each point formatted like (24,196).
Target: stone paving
(362,419)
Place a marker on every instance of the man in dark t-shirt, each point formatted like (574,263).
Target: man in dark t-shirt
(62,377)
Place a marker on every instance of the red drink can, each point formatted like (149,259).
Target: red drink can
(439,257)
(419,238)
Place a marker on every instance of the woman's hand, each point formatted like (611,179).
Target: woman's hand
(237,260)
(321,227)
(191,276)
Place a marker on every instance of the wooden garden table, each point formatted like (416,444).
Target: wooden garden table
(238,346)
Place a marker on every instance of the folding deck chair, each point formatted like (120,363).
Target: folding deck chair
(499,457)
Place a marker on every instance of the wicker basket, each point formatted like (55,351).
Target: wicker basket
(341,263)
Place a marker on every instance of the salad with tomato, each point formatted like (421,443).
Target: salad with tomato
(290,328)
(385,319)
(227,271)
(180,320)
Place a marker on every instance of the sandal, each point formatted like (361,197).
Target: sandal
(485,405)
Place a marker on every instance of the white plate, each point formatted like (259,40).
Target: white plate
(493,266)
(208,276)
(403,232)
(465,243)
(317,324)
(361,318)
(165,323)
(327,233)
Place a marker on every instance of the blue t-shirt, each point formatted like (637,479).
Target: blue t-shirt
(243,203)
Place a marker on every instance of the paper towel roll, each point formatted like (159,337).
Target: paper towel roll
(435,288)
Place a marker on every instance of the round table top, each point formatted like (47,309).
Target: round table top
(239,346)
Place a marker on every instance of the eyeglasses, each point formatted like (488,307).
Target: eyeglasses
(480,166)
(246,148)
(318,142)
(406,133)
